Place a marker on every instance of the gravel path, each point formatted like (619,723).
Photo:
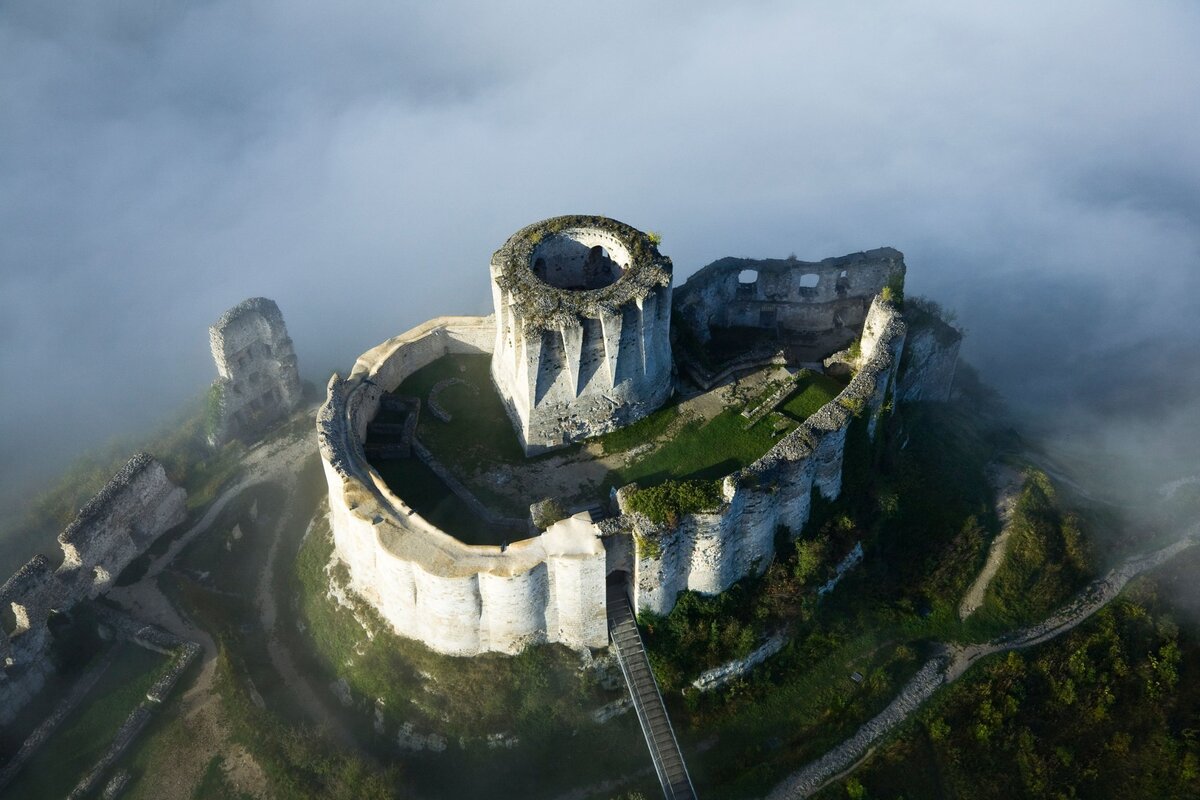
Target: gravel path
(954,660)
(1008,482)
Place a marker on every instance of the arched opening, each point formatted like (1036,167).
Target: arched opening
(810,280)
(747,277)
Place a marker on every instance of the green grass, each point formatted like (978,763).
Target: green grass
(701,451)
(1046,561)
(813,390)
(214,784)
(480,436)
(479,432)
(646,429)
(87,733)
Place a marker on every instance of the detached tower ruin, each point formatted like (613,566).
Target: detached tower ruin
(583,309)
(258,382)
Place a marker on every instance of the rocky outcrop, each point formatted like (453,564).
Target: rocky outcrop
(930,361)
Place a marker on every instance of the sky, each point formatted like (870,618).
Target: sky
(1038,164)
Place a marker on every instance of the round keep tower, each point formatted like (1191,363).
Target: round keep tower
(583,314)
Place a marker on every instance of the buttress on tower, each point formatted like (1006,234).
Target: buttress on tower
(583,312)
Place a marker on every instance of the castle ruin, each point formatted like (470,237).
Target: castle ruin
(579,330)
(258,383)
(134,508)
(583,308)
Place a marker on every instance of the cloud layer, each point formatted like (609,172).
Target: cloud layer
(1037,165)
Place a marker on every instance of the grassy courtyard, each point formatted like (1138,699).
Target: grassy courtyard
(675,443)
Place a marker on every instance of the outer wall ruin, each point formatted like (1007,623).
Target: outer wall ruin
(137,506)
(258,383)
(465,599)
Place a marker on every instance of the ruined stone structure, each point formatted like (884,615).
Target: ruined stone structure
(457,598)
(465,599)
(583,307)
(258,383)
(134,508)
(707,552)
(808,308)
(118,524)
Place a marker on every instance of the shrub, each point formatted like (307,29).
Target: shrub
(548,512)
(655,237)
(668,501)
(893,292)
(855,405)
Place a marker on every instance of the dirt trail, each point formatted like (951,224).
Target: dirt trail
(301,689)
(954,660)
(205,730)
(1008,482)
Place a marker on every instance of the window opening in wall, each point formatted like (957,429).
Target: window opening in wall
(842,275)
(809,281)
(748,276)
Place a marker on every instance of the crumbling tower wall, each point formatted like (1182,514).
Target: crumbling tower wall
(583,309)
(138,505)
(258,382)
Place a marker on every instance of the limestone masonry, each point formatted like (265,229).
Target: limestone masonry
(581,344)
(137,505)
(583,307)
(257,382)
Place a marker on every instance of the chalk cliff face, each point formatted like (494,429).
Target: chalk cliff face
(930,361)
(466,599)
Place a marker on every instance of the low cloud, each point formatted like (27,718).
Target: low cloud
(1037,165)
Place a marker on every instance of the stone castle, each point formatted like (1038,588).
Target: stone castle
(580,344)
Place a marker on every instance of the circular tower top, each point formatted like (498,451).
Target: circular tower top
(583,307)
(566,268)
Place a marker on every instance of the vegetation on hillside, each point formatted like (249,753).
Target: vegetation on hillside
(1107,711)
